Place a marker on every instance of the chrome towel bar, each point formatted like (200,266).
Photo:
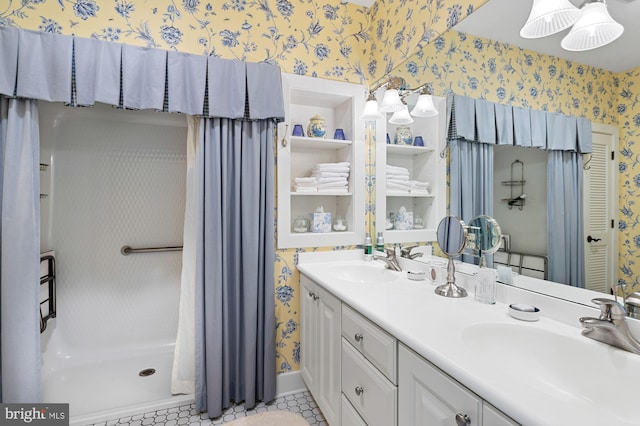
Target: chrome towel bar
(126,250)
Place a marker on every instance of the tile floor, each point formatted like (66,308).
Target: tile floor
(301,403)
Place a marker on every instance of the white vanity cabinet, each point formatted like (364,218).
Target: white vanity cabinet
(359,374)
(340,105)
(429,397)
(369,368)
(424,165)
(321,347)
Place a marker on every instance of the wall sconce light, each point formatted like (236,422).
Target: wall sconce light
(593,26)
(393,100)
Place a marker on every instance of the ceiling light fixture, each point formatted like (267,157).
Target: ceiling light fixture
(394,100)
(548,17)
(593,26)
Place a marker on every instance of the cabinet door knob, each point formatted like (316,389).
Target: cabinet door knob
(358,337)
(310,293)
(315,296)
(359,390)
(462,419)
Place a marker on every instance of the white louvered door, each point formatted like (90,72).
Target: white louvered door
(600,203)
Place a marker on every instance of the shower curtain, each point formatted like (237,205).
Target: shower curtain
(234,324)
(235,310)
(183,371)
(20,251)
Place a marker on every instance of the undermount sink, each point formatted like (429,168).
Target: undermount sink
(363,272)
(571,366)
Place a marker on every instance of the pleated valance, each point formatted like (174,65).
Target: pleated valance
(487,122)
(80,71)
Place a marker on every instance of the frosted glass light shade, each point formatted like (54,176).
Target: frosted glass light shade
(401,117)
(371,111)
(424,107)
(594,29)
(391,101)
(549,17)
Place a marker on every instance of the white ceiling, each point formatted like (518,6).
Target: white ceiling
(501,20)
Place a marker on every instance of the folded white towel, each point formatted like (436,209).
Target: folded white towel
(397,169)
(306,189)
(341,164)
(392,191)
(417,183)
(331,179)
(337,169)
(310,179)
(342,190)
(319,174)
(333,184)
(308,184)
(398,177)
(393,185)
(420,192)
(402,183)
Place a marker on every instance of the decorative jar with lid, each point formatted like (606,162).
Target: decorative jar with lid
(317,127)
(403,136)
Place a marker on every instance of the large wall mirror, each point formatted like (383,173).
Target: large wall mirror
(472,60)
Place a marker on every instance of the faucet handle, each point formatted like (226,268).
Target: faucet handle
(610,309)
(406,251)
(391,252)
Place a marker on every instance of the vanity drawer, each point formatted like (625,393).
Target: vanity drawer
(370,393)
(375,344)
(350,416)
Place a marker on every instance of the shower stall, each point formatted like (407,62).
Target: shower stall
(112,178)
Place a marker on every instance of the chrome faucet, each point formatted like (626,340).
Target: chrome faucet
(611,327)
(406,252)
(389,258)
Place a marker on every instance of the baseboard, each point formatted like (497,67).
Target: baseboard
(289,383)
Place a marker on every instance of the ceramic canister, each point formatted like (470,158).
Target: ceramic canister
(317,127)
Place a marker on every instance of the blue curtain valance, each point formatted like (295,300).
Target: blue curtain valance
(487,122)
(79,71)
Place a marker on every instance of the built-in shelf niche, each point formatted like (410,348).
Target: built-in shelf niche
(424,164)
(340,104)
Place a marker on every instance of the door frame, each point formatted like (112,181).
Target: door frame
(612,253)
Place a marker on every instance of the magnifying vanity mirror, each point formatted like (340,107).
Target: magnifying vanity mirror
(452,238)
(483,238)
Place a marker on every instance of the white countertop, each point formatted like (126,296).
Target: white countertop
(567,379)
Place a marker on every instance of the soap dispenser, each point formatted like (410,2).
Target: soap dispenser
(380,242)
(368,247)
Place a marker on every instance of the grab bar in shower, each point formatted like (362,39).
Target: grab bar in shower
(126,250)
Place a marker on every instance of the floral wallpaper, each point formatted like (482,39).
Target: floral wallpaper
(399,28)
(499,72)
(628,109)
(328,39)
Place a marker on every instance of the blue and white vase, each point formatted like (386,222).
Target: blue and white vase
(317,128)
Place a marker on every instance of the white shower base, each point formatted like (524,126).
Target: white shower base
(99,387)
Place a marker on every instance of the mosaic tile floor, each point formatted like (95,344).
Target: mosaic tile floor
(301,403)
